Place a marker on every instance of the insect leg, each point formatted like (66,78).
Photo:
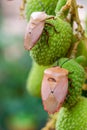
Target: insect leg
(70,81)
(52,26)
(47,34)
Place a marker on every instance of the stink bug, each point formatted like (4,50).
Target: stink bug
(35,28)
(54,88)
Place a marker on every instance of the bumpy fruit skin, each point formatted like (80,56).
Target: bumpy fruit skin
(34,80)
(40,5)
(59,40)
(74,118)
(76,79)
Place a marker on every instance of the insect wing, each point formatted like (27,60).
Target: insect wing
(36,33)
(53,102)
(49,101)
(61,89)
(60,92)
(54,89)
(50,104)
(33,34)
(45,89)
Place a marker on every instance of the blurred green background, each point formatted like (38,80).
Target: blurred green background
(18,110)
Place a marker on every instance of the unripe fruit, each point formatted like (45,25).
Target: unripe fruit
(35,79)
(76,79)
(74,118)
(53,43)
(82,50)
(40,5)
(60,4)
(80,59)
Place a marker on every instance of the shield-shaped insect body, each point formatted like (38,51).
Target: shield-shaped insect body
(54,88)
(34,29)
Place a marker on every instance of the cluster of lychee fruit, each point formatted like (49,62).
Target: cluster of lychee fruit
(55,75)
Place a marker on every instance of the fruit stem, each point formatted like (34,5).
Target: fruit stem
(70,6)
(62,8)
(51,123)
(79,30)
(22,7)
(74,50)
(75,17)
(66,7)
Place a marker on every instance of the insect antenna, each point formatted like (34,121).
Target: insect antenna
(47,36)
(65,62)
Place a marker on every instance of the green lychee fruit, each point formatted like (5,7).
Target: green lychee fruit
(74,118)
(82,50)
(53,43)
(60,3)
(76,79)
(40,5)
(81,60)
(34,80)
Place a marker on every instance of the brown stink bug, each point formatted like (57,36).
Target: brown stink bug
(35,28)
(54,88)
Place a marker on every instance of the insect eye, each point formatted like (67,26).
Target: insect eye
(29,32)
(51,79)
